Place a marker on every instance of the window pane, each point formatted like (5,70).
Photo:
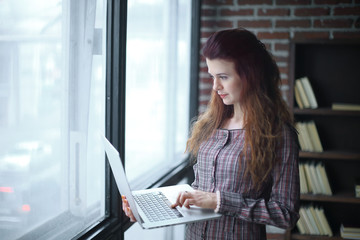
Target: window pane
(52,108)
(157,86)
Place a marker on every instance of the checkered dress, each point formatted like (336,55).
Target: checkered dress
(246,211)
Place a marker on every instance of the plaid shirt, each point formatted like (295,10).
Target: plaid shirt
(245,210)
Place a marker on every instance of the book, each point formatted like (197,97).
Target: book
(323,221)
(345,106)
(316,220)
(309,92)
(306,220)
(314,179)
(357,188)
(350,231)
(301,226)
(303,97)
(305,135)
(313,221)
(309,138)
(346,227)
(303,183)
(309,180)
(314,136)
(298,97)
(300,136)
(324,180)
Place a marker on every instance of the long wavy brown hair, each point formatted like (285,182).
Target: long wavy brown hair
(265,111)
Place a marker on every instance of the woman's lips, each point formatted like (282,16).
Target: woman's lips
(222,95)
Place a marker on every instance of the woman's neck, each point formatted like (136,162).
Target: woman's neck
(236,121)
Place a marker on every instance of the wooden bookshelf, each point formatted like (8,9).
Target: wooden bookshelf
(331,155)
(334,73)
(339,197)
(325,112)
(297,236)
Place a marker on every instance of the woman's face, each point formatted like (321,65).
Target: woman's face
(227,82)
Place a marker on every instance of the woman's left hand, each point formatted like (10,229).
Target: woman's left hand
(197,198)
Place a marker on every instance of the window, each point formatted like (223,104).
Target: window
(62,84)
(157,87)
(52,109)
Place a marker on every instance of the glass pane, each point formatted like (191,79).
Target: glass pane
(52,108)
(157,86)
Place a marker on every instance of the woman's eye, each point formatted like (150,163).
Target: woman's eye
(223,77)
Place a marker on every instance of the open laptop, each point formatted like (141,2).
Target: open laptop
(141,201)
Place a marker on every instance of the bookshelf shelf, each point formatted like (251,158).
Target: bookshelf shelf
(339,155)
(297,236)
(344,197)
(325,112)
(332,69)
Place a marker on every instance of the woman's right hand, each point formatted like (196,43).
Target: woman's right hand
(126,209)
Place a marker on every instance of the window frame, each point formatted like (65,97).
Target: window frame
(115,222)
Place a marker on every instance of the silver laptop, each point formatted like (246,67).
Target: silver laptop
(151,207)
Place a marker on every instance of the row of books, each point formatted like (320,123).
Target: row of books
(304,94)
(313,178)
(305,97)
(313,221)
(345,107)
(309,137)
(350,231)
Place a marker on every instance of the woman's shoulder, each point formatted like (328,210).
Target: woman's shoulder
(290,134)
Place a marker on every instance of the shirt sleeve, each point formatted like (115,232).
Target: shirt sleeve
(282,208)
(195,184)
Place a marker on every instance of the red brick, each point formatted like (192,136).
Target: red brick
(331,2)
(208,23)
(282,47)
(333,23)
(312,12)
(214,23)
(347,35)
(279,59)
(284,82)
(311,35)
(254,2)
(274,12)
(284,70)
(286,95)
(347,11)
(206,80)
(273,35)
(205,92)
(203,69)
(205,34)
(217,2)
(224,24)
(293,23)
(208,12)
(240,12)
(293,2)
(254,23)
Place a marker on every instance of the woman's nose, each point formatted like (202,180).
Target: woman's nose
(216,84)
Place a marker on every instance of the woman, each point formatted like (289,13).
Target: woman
(244,145)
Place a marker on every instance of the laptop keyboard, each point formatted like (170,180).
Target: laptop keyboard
(156,206)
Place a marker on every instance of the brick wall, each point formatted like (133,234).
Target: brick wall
(276,22)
